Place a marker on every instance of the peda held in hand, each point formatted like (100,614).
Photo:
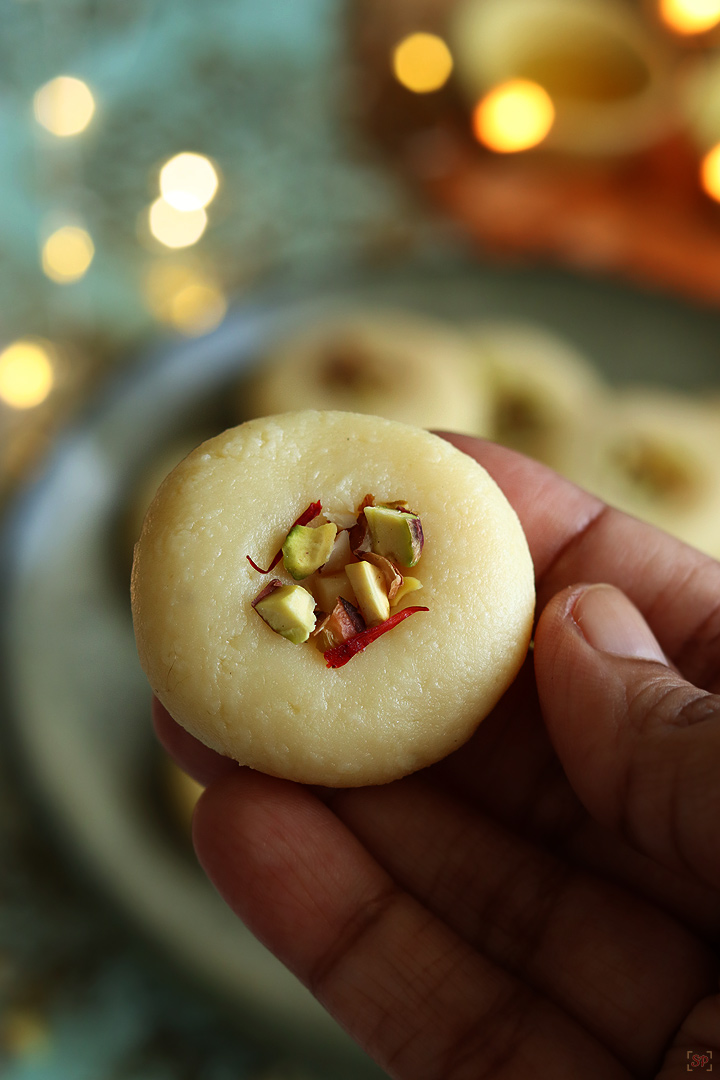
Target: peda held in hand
(331,597)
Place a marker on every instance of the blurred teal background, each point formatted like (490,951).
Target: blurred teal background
(258,88)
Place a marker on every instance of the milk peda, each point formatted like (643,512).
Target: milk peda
(415,685)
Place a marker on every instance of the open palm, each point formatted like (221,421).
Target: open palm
(546,901)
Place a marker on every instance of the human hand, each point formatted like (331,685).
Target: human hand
(546,901)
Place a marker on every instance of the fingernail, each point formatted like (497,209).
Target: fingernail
(610,623)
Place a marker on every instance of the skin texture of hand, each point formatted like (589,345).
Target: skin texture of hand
(546,901)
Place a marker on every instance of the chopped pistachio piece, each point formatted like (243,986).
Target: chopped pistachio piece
(289,610)
(307,548)
(328,588)
(369,585)
(396,534)
(355,576)
(393,577)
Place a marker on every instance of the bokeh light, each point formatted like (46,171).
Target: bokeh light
(26,374)
(64,105)
(690,16)
(176,228)
(515,115)
(422,63)
(188,181)
(67,254)
(710,173)
(185,295)
(198,308)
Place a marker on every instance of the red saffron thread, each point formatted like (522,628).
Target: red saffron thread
(307,515)
(340,654)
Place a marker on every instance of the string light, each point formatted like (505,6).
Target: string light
(690,16)
(67,254)
(176,228)
(198,308)
(515,115)
(188,181)
(710,173)
(185,296)
(422,63)
(26,374)
(64,106)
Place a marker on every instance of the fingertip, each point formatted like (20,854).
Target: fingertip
(277,856)
(215,818)
(581,635)
(611,623)
(196,759)
(553,641)
(225,842)
(637,741)
(232,797)
(244,806)
(583,692)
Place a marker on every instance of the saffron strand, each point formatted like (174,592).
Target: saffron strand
(340,654)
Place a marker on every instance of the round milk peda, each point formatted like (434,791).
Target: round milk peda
(398,364)
(414,694)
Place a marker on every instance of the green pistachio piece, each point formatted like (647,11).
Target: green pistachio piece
(395,534)
(289,610)
(369,587)
(307,548)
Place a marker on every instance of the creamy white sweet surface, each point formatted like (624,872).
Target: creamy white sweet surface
(547,399)
(657,458)
(413,695)
(397,364)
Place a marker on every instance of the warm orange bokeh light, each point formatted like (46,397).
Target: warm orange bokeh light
(710,173)
(690,16)
(422,63)
(513,116)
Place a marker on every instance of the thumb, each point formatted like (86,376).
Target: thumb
(639,744)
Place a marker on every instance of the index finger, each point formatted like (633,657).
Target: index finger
(575,537)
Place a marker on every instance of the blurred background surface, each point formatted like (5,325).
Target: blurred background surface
(496,216)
